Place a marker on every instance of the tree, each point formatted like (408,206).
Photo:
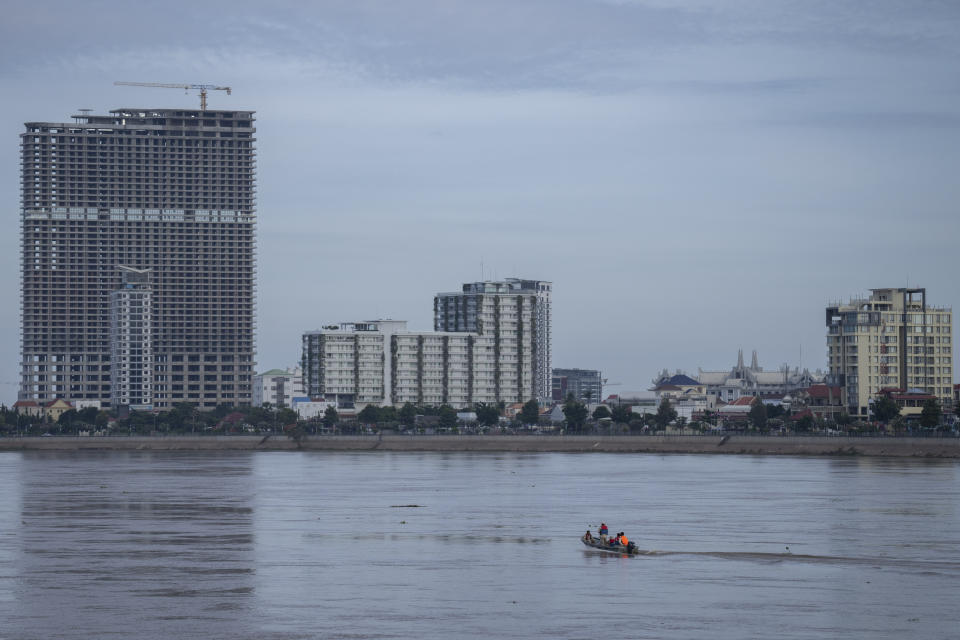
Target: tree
(408,414)
(758,415)
(487,414)
(330,417)
(448,417)
(621,414)
(530,413)
(804,424)
(775,411)
(843,419)
(931,413)
(296,432)
(284,416)
(885,409)
(222,410)
(575,413)
(601,412)
(369,415)
(665,414)
(67,418)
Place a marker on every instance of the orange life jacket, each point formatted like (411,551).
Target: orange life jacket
(623,540)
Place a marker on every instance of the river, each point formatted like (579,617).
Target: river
(292,545)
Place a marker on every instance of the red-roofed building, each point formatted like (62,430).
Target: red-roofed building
(56,408)
(910,402)
(738,410)
(823,400)
(28,408)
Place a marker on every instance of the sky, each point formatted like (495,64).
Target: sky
(694,177)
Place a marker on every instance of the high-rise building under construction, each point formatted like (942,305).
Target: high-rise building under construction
(138,258)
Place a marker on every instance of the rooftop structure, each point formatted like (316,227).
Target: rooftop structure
(741,380)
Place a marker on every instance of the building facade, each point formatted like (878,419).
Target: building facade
(586,385)
(278,387)
(131,346)
(516,315)
(170,191)
(740,380)
(379,362)
(892,340)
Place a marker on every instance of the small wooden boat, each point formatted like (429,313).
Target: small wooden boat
(628,550)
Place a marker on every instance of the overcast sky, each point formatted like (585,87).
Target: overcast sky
(694,177)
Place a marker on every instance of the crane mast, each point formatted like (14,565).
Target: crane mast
(203,88)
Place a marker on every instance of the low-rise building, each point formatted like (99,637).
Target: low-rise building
(307,408)
(586,385)
(28,408)
(56,408)
(686,396)
(910,401)
(823,400)
(741,380)
(738,410)
(278,387)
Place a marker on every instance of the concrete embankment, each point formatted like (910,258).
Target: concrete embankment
(948,447)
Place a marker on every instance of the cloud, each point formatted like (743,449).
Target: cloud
(693,176)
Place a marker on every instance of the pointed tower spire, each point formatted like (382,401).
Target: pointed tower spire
(753,362)
(740,360)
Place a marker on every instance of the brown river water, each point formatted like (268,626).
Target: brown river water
(329,545)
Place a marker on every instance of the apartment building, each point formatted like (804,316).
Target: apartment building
(890,340)
(278,387)
(380,362)
(131,347)
(167,191)
(516,315)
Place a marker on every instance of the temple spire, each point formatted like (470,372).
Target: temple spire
(753,362)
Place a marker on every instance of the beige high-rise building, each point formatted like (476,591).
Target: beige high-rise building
(516,314)
(891,340)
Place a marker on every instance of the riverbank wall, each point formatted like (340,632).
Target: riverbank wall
(946,447)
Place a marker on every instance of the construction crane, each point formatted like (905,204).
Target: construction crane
(186,87)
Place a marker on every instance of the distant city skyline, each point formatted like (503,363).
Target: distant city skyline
(693,178)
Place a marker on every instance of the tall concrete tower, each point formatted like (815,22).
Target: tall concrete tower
(166,190)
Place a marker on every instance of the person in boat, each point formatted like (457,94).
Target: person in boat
(588,536)
(623,539)
(603,532)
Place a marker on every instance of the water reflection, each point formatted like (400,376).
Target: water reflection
(121,541)
(314,544)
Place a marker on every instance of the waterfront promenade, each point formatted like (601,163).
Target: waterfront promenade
(928,447)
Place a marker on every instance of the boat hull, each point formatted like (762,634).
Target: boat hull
(619,549)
